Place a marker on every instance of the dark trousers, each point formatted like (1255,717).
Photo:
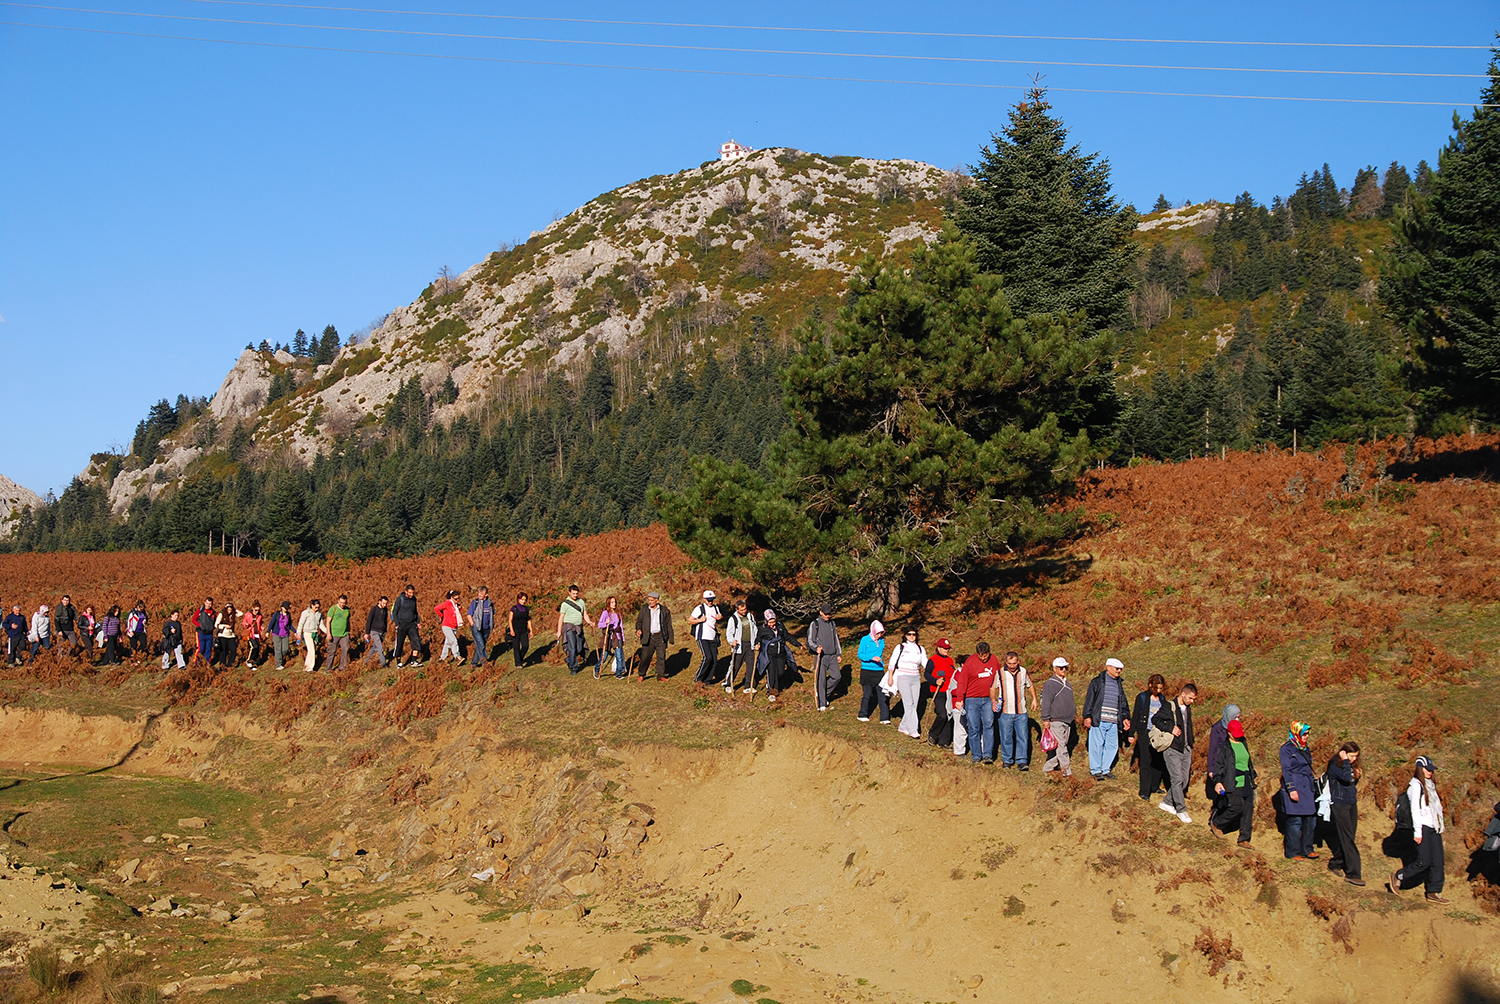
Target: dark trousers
(1345,850)
(254,656)
(708,668)
(403,632)
(942,722)
(1234,809)
(873,697)
(1298,838)
(737,660)
(655,646)
(826,676)
(111,650)
(1429,863)
(520,644)
(775,669)
(1153,768)
(481,646)
(138,643)
(225,651)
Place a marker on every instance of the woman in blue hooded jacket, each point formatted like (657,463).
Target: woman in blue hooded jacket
(871,671)
(1298,800)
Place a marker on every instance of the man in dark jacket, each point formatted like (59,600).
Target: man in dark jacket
(1106,712)
(65,622)
(1176,717)
(408,625)
(377,622)
(653,630)
(823,643)
(171,641)
(1234,774)
(481,623)
(15,636)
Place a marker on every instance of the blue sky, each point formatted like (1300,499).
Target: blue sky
(164,202)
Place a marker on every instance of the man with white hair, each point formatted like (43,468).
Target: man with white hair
(705,624)
(1106,713)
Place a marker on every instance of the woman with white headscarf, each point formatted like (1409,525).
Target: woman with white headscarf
(871,671)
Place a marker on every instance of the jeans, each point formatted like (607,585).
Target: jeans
(1015,739)
(1179,768)
(166,658)
(377,647)
(873,697)
(1104,745)
(481,646)
(573,647)
(709,666)
(980,715)
(281,644)
(1299,836)
(1345,850)
(615,655)
(826,676)
(909,685)
(43,642)
(1235,809)
(1429,863)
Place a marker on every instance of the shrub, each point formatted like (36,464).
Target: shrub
(1219,951)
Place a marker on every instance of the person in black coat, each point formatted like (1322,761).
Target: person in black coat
(1176,717)
(1234,783)
(1153,769)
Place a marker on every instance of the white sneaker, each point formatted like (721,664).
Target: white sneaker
(771,698)
(1164,807)
(749,690)
(862,719)
(1184,817)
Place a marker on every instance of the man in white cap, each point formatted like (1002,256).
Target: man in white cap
(1058,709)
(1106,713)
(705,624)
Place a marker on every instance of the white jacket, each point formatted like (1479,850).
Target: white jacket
(734,634)
(1430,814)
(41,626)
(909,657)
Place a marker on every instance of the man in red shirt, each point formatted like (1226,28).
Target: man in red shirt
(971,687)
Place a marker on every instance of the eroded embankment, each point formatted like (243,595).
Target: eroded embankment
(813,867)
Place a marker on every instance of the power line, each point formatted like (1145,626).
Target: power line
(738,73)
(847,31)
(736,49)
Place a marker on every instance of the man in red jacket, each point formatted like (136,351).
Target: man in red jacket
(940,670)
(971,692)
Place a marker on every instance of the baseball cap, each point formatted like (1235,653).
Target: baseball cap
(944,643)
(1426,761)
(1059,663)
(708,594)
(1116,663)
(825,608)
(1235,728)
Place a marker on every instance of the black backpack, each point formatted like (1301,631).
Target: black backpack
(1403,812)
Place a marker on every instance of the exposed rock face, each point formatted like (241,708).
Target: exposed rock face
(14,498)
(243,391)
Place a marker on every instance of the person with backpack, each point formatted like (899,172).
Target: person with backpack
(1149,763)
(481,623)
(571,613)
(336,627)
(1176,719)
(309,623)
(1009,699)
(253,623)
(871,672)
(1425,811)
(110,627)
(1343,775)
(740,632)
(1106,712)
(1298,794)
(40,632)
(972,688)
(377,622)
(905,671)
(827,651)
(772,655)
(518,626)
(940,670)
(611,639)
(135,627)
(203,625)
(704,621)
(653,632)
(408,627)
(65,621)
(171,641)
(281,633)
(1234,773)
(1057,708)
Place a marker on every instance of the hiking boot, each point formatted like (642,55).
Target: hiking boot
(1394,883)
(1438,898)
(1023,766)
(1354,881)
(1245,844)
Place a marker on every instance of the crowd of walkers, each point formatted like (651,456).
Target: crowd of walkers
(981,704)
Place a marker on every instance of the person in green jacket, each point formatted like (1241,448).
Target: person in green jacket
(336,626)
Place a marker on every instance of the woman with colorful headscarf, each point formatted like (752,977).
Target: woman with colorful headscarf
(1298,800)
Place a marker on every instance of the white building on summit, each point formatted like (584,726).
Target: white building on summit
(734,151)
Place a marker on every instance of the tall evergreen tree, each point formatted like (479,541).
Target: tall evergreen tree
(1041,214)
(1444,283)
(1394,188)
(299,343)
(328,346)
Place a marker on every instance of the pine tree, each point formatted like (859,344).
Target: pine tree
(299,343)
(1041,215)
(1394,188)
(328,346)
(1161,204)
(286,524)
(1442,283)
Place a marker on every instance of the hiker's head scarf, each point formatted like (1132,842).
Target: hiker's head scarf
(1298,734)
(1231,712)
(876,629)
